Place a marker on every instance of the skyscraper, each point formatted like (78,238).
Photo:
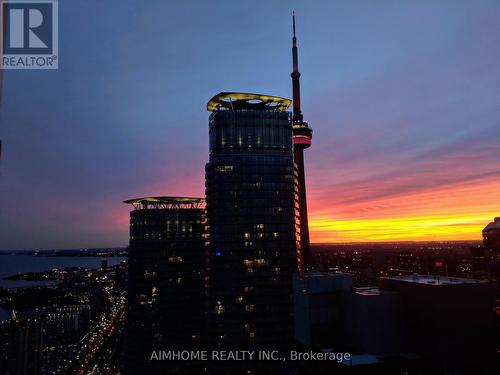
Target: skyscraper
(486,258)
(166,280)
(251,219)
(302,135)
(491,235)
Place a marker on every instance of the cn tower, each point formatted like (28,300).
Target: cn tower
(302,135)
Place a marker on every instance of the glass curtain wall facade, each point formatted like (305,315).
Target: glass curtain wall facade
(166,282)
(250,205)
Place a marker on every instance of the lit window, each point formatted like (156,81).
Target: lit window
(142,299)
(248,263)
(219,309)
(175,260)
(224,168)
(260,262)
(239,299)
(149,274)
(248,289)
(247,236)
(249,308)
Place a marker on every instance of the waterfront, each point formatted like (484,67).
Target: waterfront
(13,264)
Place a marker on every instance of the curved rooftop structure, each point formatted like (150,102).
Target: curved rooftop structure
(246,101)
(165,202)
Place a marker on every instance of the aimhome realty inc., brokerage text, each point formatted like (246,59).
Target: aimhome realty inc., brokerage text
(246,355)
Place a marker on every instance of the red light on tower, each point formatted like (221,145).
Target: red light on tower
(302,135)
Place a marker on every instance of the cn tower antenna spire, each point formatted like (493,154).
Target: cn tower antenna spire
(297,114)
(302,136)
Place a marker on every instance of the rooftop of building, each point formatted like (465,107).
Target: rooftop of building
(235,101)
(311,276)
(361,360)
(330,274)
(321,282)
(373,359)
(495,224)
(371,291)
(164,202)
(433,279)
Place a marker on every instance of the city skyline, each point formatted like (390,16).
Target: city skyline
(403,101)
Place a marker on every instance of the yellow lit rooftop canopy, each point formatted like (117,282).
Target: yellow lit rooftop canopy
(240,100)
(165,202)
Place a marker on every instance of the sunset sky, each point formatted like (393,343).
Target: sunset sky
(403,98)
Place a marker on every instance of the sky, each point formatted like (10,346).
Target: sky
(403,98)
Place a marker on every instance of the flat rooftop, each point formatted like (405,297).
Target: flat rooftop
(361,360)
(371,291)
(433,280)
(165,202)
(234,101)
(322,282)
(323,276)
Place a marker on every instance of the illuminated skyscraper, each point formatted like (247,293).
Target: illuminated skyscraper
(302,135)
(251,218)
(166,279)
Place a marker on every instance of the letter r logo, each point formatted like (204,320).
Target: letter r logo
(17,28)
(28,27)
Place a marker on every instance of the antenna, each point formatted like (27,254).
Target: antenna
(297,114)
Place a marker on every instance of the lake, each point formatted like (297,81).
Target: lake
(12,264)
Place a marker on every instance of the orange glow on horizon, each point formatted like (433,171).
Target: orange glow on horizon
(420,228)
(449,213)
